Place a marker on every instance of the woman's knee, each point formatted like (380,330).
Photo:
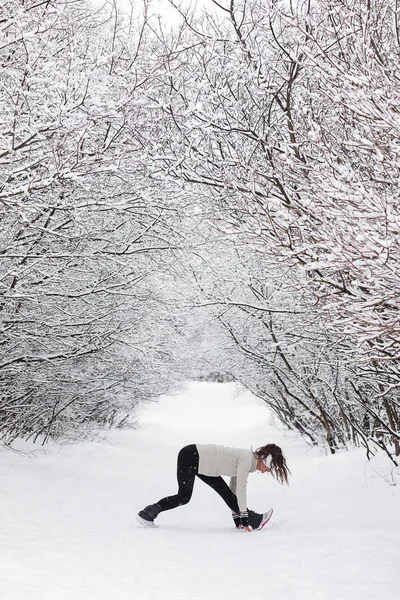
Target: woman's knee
(184,500)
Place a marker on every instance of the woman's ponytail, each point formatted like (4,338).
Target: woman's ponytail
(279,466)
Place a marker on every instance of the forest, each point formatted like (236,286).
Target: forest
(211,196)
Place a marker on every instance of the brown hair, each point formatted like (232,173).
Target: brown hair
(279,467)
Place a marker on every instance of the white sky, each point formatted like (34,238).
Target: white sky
(163,7)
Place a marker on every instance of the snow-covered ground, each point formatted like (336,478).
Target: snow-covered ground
(69,531)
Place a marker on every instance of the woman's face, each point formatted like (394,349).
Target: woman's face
(263,468)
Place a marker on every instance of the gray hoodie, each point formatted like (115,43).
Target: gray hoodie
(235,463)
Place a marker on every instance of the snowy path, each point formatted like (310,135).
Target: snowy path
(69,529)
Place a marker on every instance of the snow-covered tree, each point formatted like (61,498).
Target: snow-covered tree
(287,116)
(82,224)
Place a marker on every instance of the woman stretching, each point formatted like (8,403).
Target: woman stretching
(209,462)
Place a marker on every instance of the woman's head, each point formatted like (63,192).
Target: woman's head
(272,456)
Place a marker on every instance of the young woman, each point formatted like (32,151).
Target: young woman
(209,462)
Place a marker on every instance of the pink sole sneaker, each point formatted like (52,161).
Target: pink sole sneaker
(145,523)
(266,517)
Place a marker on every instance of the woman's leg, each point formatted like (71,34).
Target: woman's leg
(222,488)
(187,467)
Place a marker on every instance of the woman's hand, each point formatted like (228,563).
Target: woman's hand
(241,521)
(244,520)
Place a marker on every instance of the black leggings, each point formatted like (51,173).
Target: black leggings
(187,469)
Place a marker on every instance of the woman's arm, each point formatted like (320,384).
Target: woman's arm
(242,474)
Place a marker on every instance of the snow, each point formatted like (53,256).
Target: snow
(69,528)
